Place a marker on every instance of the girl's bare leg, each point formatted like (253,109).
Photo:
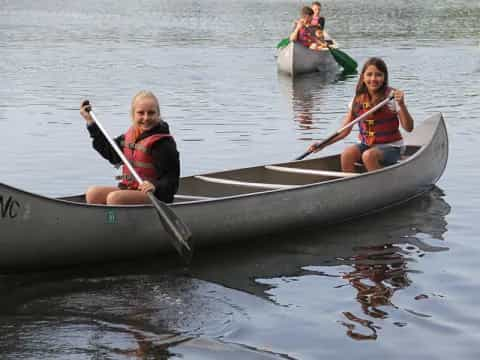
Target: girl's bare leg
(98,194)
(126,197)
(371,159)
(348,158)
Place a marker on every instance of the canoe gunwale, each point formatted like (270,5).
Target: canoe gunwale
(418,153)
(412,158)
(403,163)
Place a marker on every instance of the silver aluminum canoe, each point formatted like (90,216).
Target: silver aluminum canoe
(236,205)
(295,59)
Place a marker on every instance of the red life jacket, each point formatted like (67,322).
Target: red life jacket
(381,127)
(139,154)
(305,37)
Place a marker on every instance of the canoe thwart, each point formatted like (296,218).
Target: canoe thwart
(339,174)
(192,197)
(244,183)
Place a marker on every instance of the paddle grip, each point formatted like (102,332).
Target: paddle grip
(304,155)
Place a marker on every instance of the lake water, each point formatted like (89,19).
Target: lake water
(401,284)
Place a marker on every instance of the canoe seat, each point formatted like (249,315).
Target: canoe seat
(244,183)
(360,167)
(192,197)
(338,174)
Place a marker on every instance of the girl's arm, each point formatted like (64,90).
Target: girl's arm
(347,119)
(294,34)
(406,119)
(167,164)
(102,146)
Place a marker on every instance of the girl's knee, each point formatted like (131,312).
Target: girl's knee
(98,194)
(351,152)
(93,195)
(372,159)
(114,198)
(348,158)
(369,156)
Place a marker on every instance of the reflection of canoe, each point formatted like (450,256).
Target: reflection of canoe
(295,59)
(300,251)
(218,207)
(307,97)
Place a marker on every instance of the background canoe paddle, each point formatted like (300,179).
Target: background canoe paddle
(343,59)
(180,234)
(282,43)
(350,124)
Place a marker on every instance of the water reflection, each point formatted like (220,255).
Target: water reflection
(156,310)
(400,230)
(373,256)
(145,310)
(308,99)
(378,272)
(306,95)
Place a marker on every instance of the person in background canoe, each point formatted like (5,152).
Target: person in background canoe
(317,19)
(302,33)
(148,146)
(380,143)
(319,42)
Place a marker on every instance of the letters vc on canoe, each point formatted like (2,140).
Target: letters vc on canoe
(9,207)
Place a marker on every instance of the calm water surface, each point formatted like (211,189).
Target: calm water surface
(402,284)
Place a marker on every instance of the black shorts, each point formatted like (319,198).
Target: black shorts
(391,154)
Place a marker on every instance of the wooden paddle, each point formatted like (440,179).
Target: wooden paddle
(180,235)
(351,123)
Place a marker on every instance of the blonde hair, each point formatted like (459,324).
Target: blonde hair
(144,94)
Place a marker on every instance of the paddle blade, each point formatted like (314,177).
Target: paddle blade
(283,43)
(180,235)
(343,59)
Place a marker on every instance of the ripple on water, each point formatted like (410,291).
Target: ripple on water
(323,295)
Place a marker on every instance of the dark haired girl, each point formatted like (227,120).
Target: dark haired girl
(381,142)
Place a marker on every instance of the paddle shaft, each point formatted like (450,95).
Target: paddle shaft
(350,124)
(172,224)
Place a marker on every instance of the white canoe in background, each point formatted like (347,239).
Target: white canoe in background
(295,59)
(235,205)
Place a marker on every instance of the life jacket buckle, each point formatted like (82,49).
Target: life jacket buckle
(124,177)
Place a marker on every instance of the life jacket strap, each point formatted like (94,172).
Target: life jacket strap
(136,146)
(125,177)
(139,164)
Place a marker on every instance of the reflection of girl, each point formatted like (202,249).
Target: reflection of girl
(380,139)
(378,272)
